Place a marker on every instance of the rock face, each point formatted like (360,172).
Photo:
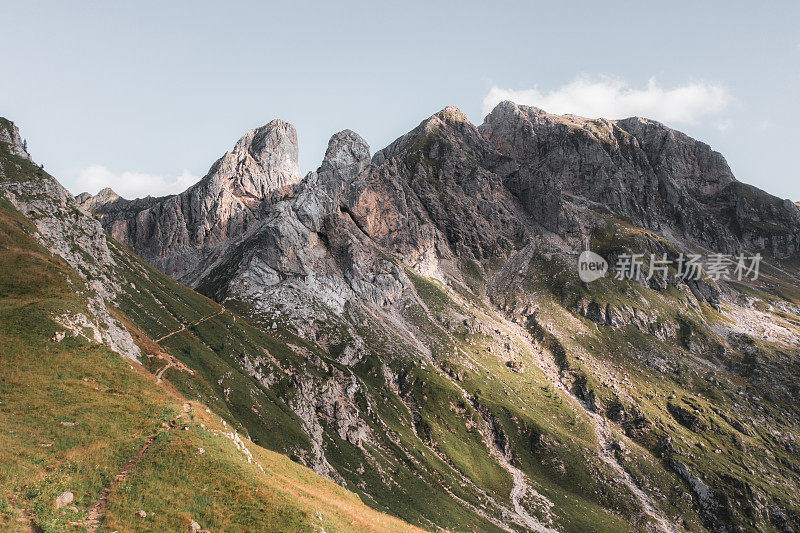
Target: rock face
(448,189)
(91,203)
(66,231)
(176,232)
(9,135)
(655,176)
(432,196)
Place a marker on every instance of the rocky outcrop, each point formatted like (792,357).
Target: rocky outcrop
(618,316)
(92,203)
(175,233)
(67,231)
(712,510)
(439,188)
(637,168)
(12,141)
(758,220)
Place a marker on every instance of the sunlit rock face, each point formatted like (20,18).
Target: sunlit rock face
(176,232)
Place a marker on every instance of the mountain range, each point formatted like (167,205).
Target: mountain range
(406,333)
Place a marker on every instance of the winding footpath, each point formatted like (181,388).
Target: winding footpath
(97,511)
(520,487)
(193,324)
(502,280)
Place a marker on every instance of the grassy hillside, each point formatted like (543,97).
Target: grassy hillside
(72,413)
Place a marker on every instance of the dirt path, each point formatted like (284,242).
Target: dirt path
(92,521)
(183,328)
(520,487)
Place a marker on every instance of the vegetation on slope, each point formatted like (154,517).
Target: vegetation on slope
(72,413)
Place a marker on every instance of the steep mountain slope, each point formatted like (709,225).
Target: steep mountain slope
(455,371)
(78,314)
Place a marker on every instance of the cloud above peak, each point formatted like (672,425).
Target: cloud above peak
(614,98)
(131,184)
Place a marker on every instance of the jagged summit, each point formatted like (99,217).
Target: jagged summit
(258,140)
(473,184)
(449,124)
(175,232)
(345,149)
(91,202)
(451,114)
(508,107)
(264,161)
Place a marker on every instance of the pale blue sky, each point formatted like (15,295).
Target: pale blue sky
(136,94)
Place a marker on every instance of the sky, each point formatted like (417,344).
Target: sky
(144,96)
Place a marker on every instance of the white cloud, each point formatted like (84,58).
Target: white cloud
(614,98)
(131,184)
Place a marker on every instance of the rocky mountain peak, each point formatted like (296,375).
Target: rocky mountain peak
(447,127)
(9,134)
(261,142)
(176,232)
(345,149)
(448,119)
(508,115)
(450,114)
(104,197)
(263,161)
(638,167)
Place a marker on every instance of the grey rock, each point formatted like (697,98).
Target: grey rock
(9,135)
(639,168)
(89,203)
(64,499)
(174,233)
(67,231)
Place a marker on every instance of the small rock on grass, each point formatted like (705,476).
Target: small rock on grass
(141,514)
(64,499)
